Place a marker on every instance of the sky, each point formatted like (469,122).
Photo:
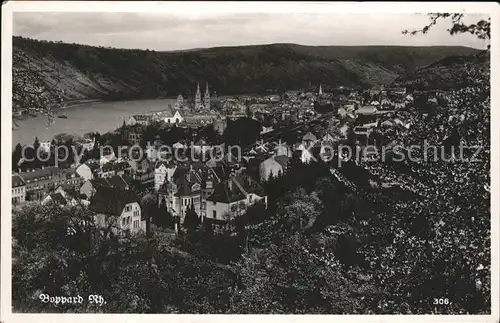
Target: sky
(173,31)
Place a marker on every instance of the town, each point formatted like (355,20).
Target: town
(218,164)
(302,121)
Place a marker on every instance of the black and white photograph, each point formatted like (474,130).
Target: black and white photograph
(250,158)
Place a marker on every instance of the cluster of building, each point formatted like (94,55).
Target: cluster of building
(220,188)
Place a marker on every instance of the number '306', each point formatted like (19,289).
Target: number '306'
(441,301)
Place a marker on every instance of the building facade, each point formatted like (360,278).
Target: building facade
(18,189)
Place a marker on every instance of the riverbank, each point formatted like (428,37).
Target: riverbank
(95,116)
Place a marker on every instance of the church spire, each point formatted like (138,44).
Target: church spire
(197,99)
(320,90)
(207,98)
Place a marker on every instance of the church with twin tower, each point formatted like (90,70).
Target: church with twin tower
(198,104)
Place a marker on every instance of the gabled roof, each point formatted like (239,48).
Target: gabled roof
(58,198)
(93,165)
(98,182)
(119,182)
(112,200)
(185,188)
(235,189)
(309,136)
(17,181)
(39,173)
(121,165)
(107,167)
(282,160)
(159,163)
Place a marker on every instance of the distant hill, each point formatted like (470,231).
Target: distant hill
(447,73)
(89,72)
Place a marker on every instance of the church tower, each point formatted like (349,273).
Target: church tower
(180,101)
(207,98)
(197,99)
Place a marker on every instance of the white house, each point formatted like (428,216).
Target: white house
(304,154)
(163,172)
(232,197)
(85,172)
(151,153)
(63,195)
(45,145)
(175,118)
(117,209)
(107,158)
(18,189)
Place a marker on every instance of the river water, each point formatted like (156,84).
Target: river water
(88,117)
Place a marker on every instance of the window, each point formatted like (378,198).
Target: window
(123,221)
(214,214)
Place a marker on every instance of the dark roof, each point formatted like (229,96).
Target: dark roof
(127,179)
(98,182)
(235,189)
(44,174)
(179,172)
(118,181)
(185,189)
(39,173)
(17,181)
(111,200)
(121,166)
(93,165)
(107,167)
(282,160)
(58,198)
(70,190)
(141,117)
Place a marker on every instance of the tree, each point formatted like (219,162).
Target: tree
(31,91)
(191,220)
(289,277)
(480,29)
(16,157)
(149,208)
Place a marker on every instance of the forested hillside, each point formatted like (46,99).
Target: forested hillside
(88,72)
(448,73)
